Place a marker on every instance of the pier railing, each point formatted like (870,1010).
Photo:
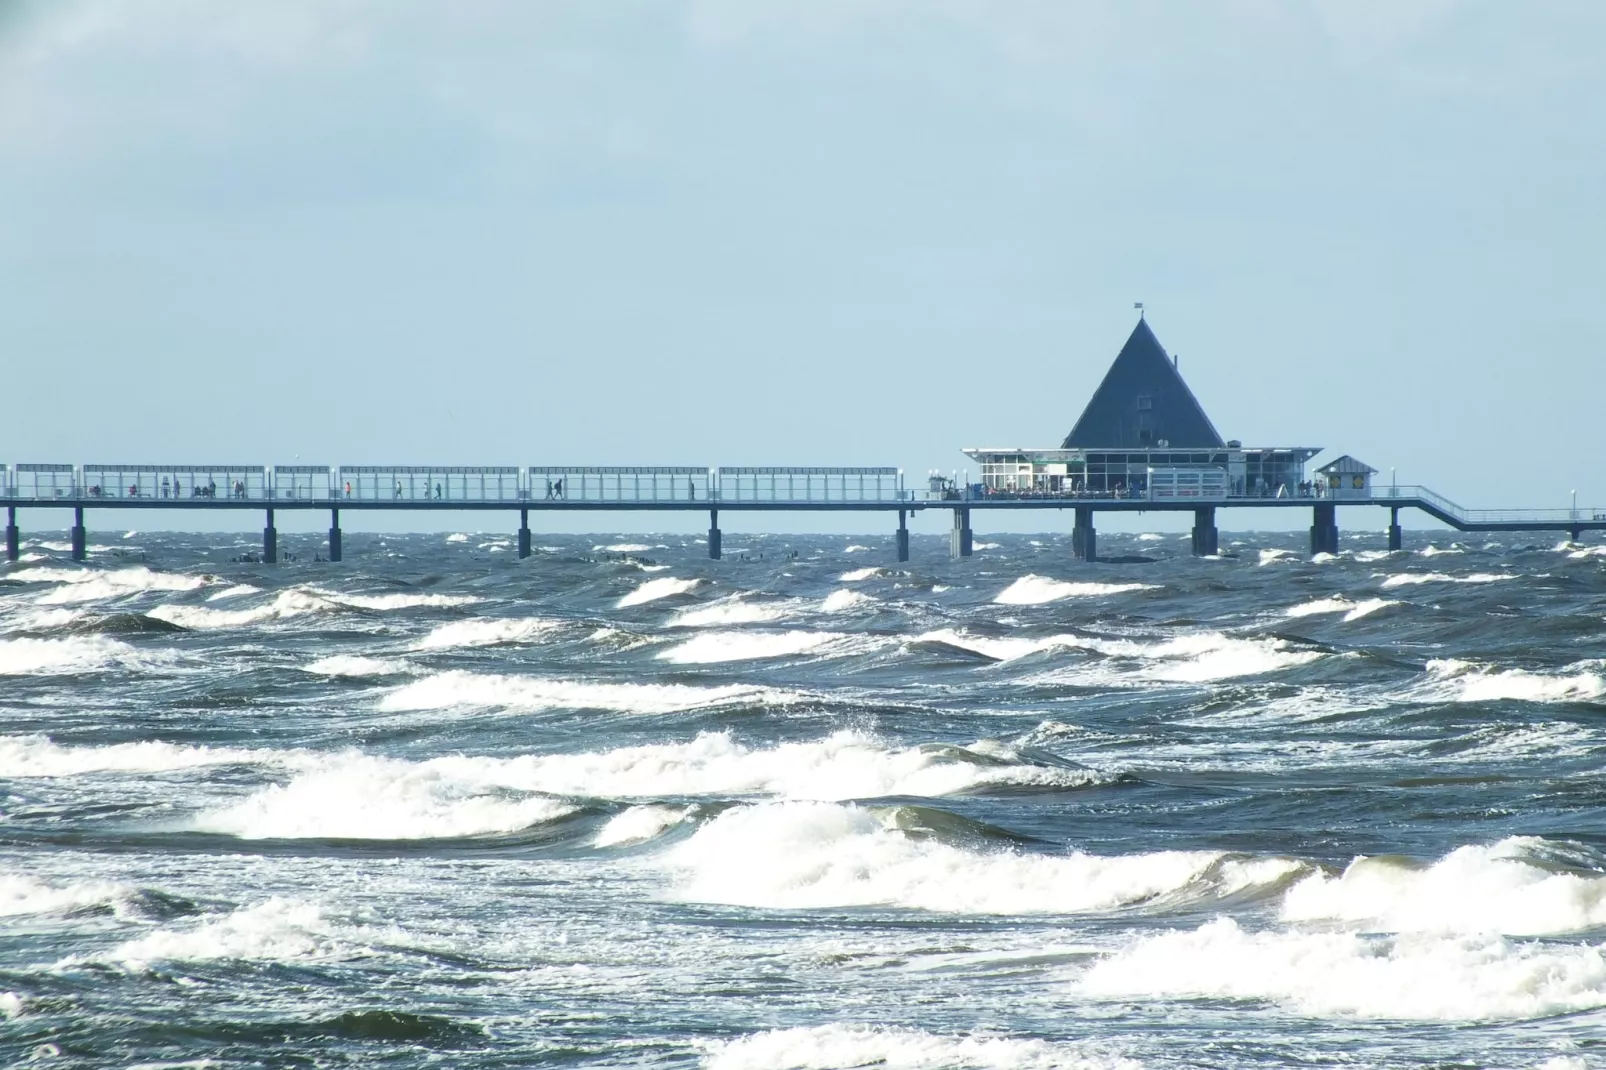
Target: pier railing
(1438,504)
(777,484)
(660,483)
(372,483)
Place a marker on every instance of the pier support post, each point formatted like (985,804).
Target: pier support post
(713,534)
(1084,539)
(78,540)
(334,534)
(1206,539)
(524,533)
(960,540)
(270,542)
(1324,529)
(1394,528)
(13,536)
(903,534)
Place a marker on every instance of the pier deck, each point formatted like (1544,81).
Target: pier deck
(425,488)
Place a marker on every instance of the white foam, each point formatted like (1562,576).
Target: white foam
(38,756)
(1402,579)
(1367,556)
(457,536)
(1468,682)
(44,620)
(986,546)
(284,606)
(1476,889)
(89,585)
(450,690)
(1340,604)
(855,549)
(12,1006)
(1273,555)
(858,574)
(235,591)
(1433,551)
(726,612)
(397,600)
(353,665)
(21,895)
(625,548)
(826,1047)
(711,648)
(68,654)
(653,590)
(1199,657)
(1416,976)
(358,797)
(490,631)
(1322,558)
(640,824)
(1150,536)
(276,930)
(1006,648)
(821,855)
(1033,590)
(843,600)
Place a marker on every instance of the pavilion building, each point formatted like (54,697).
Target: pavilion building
(1144,435)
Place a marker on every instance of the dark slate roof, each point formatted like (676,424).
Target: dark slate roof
(1117,416)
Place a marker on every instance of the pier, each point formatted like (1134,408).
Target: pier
(272,489)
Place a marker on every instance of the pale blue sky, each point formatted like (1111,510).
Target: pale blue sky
(733,231)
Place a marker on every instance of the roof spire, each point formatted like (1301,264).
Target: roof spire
(1139,306)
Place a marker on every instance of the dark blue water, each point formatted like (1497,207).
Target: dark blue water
(618,805)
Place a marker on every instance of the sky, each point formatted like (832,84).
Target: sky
(801,231)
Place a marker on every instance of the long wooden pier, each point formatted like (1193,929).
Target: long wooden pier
(271,489)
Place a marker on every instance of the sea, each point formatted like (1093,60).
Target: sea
(618,805)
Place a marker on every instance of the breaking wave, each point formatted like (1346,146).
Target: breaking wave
(727,612)
(715,647)
(823,1047)
(1465,681)
(843,600)
(353,665)
(38,756)
(493,631)
(855,575)
(1340,604)
(450,690)
(91,585)
(799,855)
(653,590)
(1404,579)
(1412,977)
(284,606)
(1034,590)
(1509,888)
(67,655)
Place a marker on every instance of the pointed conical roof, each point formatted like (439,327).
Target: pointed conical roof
(1141,403)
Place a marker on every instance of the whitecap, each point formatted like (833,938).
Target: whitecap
(800,856)
(397,599)
(653,590)
(90,585)
(354,665)
(22,895)
(858,574)
(451,690)
(491,631)
(1034,590)
(841,1044)
(360,797)
(1468,682)
(714,647)
(639,824)
(284,606)
(1347,974)
(1402,579)
(1275,554)
(236,591)
(843,600)
(275,930)
(1340,604)
(38,756)
(624,548)
(68,654)
(1475,889)
(726,612)
(457,536)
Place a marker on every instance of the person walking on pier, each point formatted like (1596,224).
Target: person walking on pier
(398,488)
(557,488)
(691,487)
(549,490)
(164,486)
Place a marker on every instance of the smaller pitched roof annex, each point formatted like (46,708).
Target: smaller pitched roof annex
(1346,466)
(1143,402)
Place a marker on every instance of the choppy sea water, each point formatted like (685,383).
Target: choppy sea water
(618,805)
